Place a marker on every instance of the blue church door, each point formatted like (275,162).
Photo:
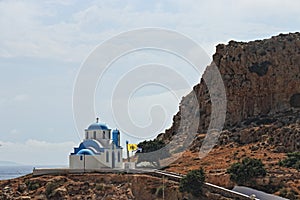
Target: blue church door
(113,160)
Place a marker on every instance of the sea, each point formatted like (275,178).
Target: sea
(9,172)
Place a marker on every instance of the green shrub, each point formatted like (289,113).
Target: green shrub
(283,192)
(151,146)
(32,185)
(50,187)
(100,187)
(290,194)
(243,172)
(292,161)
(193,182)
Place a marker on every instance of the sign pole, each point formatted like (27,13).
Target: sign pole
(128,158)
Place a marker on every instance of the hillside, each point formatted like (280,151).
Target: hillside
(262,83)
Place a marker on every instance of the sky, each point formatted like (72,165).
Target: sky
(44,44)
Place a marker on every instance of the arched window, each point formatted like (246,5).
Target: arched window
(119,156)
(107,156)
(94,134)
(103,134)
(86,135)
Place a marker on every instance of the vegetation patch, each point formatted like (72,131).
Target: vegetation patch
(244,172)
(193,182)
(292,161)
(288,193)
(100,187)
(152,146)
(53,185)
(32,185)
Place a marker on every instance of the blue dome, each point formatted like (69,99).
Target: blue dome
(92,145)
(85,152)
(98,126)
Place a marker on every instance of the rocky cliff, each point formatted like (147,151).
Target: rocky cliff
(261,79)
(262,83)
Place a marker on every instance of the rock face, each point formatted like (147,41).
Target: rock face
(261,78)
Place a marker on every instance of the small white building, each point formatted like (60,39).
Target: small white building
(99,149)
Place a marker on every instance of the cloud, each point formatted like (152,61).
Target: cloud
(14,131)
(68,31)
(21,97)
(35,152)
(45,30)
(25,32)
(2,101)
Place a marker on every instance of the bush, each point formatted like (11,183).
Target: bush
(50,187)
(193,182)
(292,161)
(290,194)
(32,185)
(243,172)
(151,146)
(100,187)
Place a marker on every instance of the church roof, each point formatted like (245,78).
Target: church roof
(98,126)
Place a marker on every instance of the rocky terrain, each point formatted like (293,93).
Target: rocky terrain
(88,186)
(96,186)
(262,83)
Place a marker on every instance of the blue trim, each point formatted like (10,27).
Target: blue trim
(85,152)
(115,137)
(92,145)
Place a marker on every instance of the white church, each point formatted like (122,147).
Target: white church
(99,149)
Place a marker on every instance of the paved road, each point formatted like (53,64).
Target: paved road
(259,194)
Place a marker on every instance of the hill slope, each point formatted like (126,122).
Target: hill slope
(262,83)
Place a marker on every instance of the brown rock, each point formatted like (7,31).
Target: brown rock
(22,187)
(60,193)
(261,78)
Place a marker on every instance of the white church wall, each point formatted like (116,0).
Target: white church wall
(97,134)
(119,161)
(75,162)
(94,162)
(86,162)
